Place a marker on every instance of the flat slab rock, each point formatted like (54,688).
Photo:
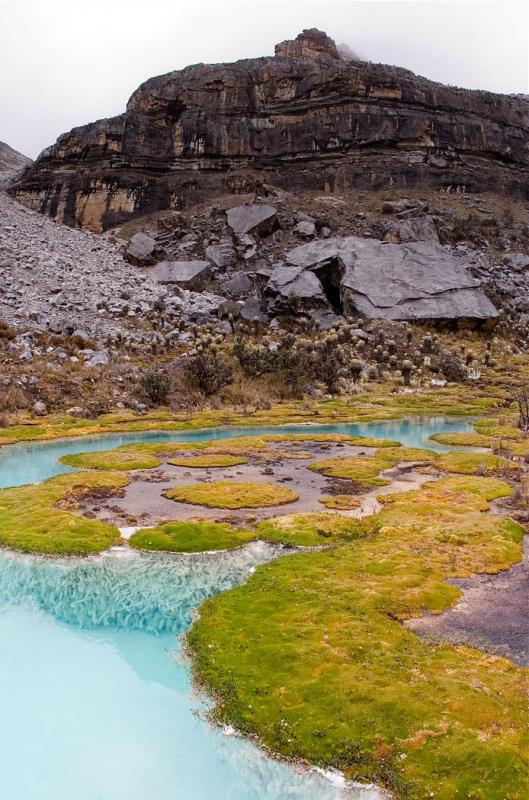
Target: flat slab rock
(246,218)
(417,280)
(187,274)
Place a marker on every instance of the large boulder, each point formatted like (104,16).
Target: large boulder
(221,255)
(142,250)
(257,218)
(413,281)
(186,274)
(295,288)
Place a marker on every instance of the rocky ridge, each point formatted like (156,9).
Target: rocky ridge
(12,163)
(308,118)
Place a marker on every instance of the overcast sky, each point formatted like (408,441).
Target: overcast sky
(65,64)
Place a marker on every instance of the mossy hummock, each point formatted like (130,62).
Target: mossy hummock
(232,494)
(31,521)
(190,537)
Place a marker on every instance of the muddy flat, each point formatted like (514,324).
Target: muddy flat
(492,614)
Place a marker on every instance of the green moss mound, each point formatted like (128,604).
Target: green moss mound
(207,461)
(232,494)
(463,439)
(112,459)
(29,520)
(367,470)
(310,655)
(310,530)
(190,537)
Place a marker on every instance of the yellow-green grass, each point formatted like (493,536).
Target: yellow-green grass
(468,439)
(207,461)
(366,470)
(468,463)
(29,520)
(232,494)
(341,502)
(190,537)
(112,459)
(497,429)
(363,407)
(310,530)
(310,656)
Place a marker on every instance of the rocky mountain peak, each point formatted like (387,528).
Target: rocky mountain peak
(311,44)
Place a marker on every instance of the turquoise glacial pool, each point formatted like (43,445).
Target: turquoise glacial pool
(95,697)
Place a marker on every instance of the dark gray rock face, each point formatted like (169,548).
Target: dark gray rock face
(221,255)
(186,274)
(301,120)
(414,281)
(237,286)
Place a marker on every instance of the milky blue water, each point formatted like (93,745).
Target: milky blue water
(36,461)
(95,698)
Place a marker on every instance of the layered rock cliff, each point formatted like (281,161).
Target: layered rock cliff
(307,118)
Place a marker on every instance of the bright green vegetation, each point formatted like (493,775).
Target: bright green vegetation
(232,494)
(469,463)
(31,521)
(207,460)
(366,470)
(310,530)
(117,459)
(215,453)
(311,657)
(190,537)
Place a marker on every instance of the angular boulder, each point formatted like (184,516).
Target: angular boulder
(221,255)
(413,281)
(142,250)
(237,286)
(186,274)
(295,288)
(257,218)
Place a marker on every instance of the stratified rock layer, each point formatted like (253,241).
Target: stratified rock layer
(305,119)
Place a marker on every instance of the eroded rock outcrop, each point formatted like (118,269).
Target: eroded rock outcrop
(306,119)
(12,163)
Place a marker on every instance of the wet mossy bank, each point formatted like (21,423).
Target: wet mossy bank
(311,657)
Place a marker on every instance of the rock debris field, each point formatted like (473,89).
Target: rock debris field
(67,281)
